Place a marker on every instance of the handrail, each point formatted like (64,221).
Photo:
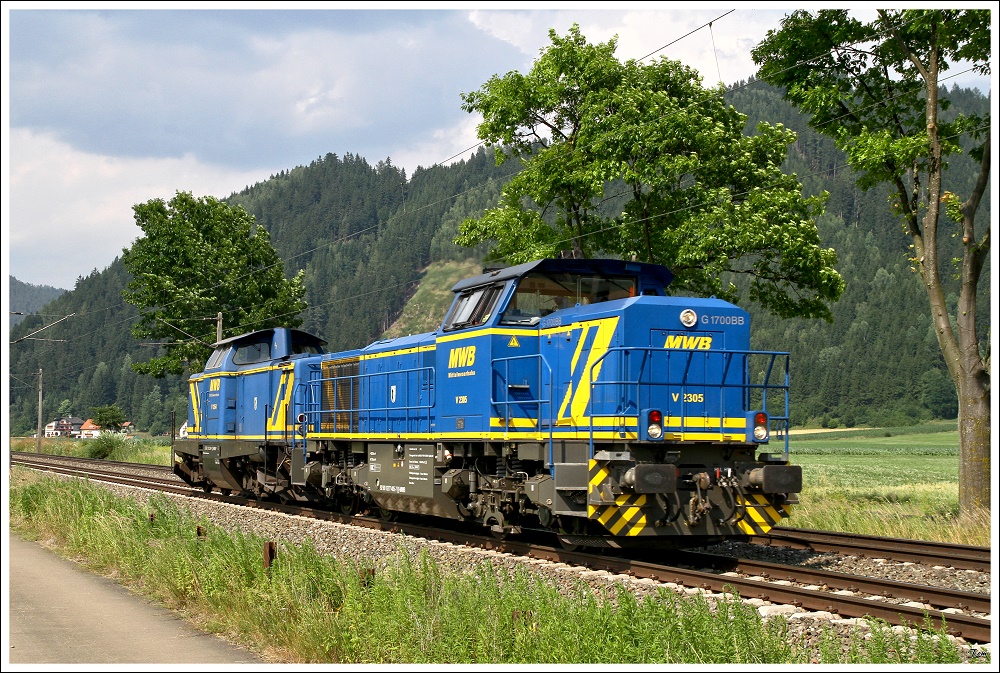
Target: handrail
(313,396)
(780,423)
(539,403)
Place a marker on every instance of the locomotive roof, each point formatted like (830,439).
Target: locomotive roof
(292,332)
(657,272)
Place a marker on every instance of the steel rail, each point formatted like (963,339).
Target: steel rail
(966,557)
(938,597)
(48,457)
(158,483)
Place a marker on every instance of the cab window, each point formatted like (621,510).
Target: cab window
(309,345)
(539,294)
(253,352)
(217,358)
(473,307)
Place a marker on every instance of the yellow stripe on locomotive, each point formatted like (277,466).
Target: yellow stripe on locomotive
(569,395)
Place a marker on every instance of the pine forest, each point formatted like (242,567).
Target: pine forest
(368,236)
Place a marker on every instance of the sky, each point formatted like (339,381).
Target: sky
(107,105)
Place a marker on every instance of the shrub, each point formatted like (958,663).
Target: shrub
(105,444)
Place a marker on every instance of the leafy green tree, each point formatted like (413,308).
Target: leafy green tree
(874,88)
(695,192)
(150,411)
(200,257)
(108,417)
(65,409)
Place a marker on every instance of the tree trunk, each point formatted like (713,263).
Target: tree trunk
(974,417)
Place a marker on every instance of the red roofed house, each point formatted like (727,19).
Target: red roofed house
(89,429)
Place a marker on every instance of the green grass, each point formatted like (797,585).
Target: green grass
(104,447)
(932,427)
(312,608)
(939,443)
(901,485)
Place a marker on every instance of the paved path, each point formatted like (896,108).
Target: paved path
(59,613)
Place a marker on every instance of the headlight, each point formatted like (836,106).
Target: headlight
(689,318)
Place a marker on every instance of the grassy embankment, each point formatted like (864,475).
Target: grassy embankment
(307,607)
(894,482)
(426,309)
(104,447)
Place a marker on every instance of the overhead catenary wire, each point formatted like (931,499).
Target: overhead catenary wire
(348,237)
(353,235)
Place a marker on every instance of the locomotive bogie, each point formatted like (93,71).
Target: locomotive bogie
(569,395)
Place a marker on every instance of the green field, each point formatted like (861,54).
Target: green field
(895,482)
(939,439)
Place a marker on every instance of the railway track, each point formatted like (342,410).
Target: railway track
(807,588)
(914,551)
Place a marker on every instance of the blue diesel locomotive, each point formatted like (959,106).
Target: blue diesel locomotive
(568,395)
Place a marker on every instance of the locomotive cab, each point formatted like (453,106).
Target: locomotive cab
(239,403)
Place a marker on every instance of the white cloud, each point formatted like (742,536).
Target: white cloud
(442,145)
(720,51)
(71,211)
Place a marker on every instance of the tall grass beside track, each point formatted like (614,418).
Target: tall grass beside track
(891,482)
(309,607)
(154,451)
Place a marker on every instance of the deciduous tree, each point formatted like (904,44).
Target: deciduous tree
(199,257)
(109,417)
(699,195)
(874,88)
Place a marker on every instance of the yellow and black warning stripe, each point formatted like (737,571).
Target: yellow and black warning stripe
(761,514)
(621,515)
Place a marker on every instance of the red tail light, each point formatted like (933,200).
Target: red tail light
(760,426)
(654,428)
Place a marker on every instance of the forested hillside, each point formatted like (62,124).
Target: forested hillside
(86,360)
(27,298)
(878,362)
(363,234)
(366,234)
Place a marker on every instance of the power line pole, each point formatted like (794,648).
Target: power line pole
(38,439)
(218,327)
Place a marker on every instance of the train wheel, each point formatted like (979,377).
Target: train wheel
(347,505)
(567,543)
(569,528)
(386,514)
(207,488)
(497,528)
(227,492)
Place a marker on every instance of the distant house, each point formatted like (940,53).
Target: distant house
(67,426)
(128,428)
(89,429)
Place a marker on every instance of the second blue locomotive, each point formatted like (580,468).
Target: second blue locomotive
(569,395)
